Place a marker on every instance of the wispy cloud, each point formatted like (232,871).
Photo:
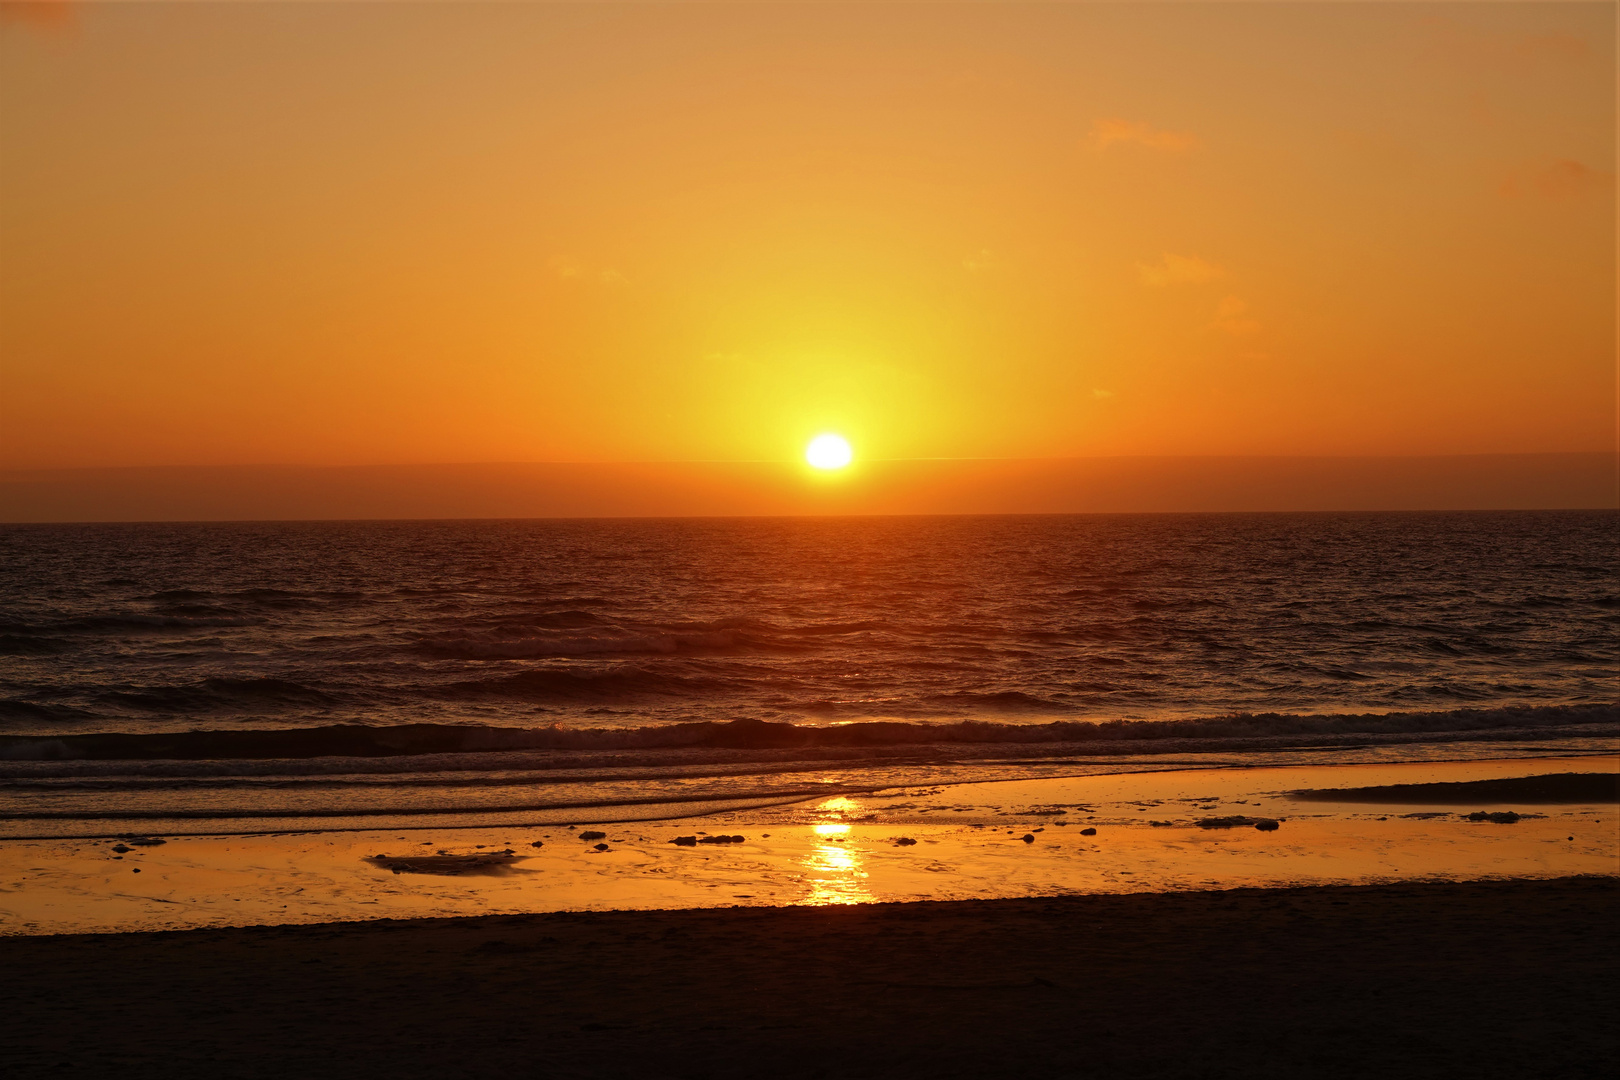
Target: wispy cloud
(1232,317)
(1560,180)
(983,259)
(1098,394)
(570,271)
(1106,133)
(1177,270)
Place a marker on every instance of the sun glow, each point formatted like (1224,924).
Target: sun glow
(828,452)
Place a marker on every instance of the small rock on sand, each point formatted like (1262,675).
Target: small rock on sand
(120,848)
(593,836)
(601,847)
(1226,822)
(685,841)
(1267,825)
(484,863)
(1088,832)
(1503,817)
(1028,838)
(903,841)
(721,840)
(538,843)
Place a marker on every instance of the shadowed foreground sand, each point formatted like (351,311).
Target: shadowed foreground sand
(1488,979)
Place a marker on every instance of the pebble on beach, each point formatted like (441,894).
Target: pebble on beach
(1088,832)
(1028,838)
(593,836)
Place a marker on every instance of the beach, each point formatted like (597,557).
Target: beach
(1484,979)
(1169,829)
(1405,919)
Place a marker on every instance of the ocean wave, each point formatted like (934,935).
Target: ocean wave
(137,623)
(29,645)
(620,684)
(534,637)
(218,694)
(1007,701)
(20,709)
(173,596)
(1246,731)
(472,646)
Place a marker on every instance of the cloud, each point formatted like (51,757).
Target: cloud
(40,14)
(1105,133)
(1177,269)
(571,271)
(1562,180)
(1101,395)
(1231,316)
(979,260)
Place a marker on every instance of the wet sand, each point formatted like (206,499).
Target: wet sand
(1487,979)
(1137,832)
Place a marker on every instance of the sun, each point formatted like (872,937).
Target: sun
(828,452)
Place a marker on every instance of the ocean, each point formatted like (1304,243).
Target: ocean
(217,678)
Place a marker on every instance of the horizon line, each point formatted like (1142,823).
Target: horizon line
(1606,451)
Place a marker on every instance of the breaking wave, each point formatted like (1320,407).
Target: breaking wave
(1245,731)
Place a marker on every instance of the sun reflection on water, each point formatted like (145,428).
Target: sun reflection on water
(839,805)
(833,870)
(834,875)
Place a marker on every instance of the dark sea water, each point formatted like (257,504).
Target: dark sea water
(230,672)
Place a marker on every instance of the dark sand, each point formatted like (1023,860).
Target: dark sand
(1490,979)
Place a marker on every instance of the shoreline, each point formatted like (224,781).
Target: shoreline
(1485,978)
(1114,833)
(816,780)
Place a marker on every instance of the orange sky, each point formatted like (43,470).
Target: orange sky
(370,234)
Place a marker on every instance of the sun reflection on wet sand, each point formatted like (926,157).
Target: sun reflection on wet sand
(833,871)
